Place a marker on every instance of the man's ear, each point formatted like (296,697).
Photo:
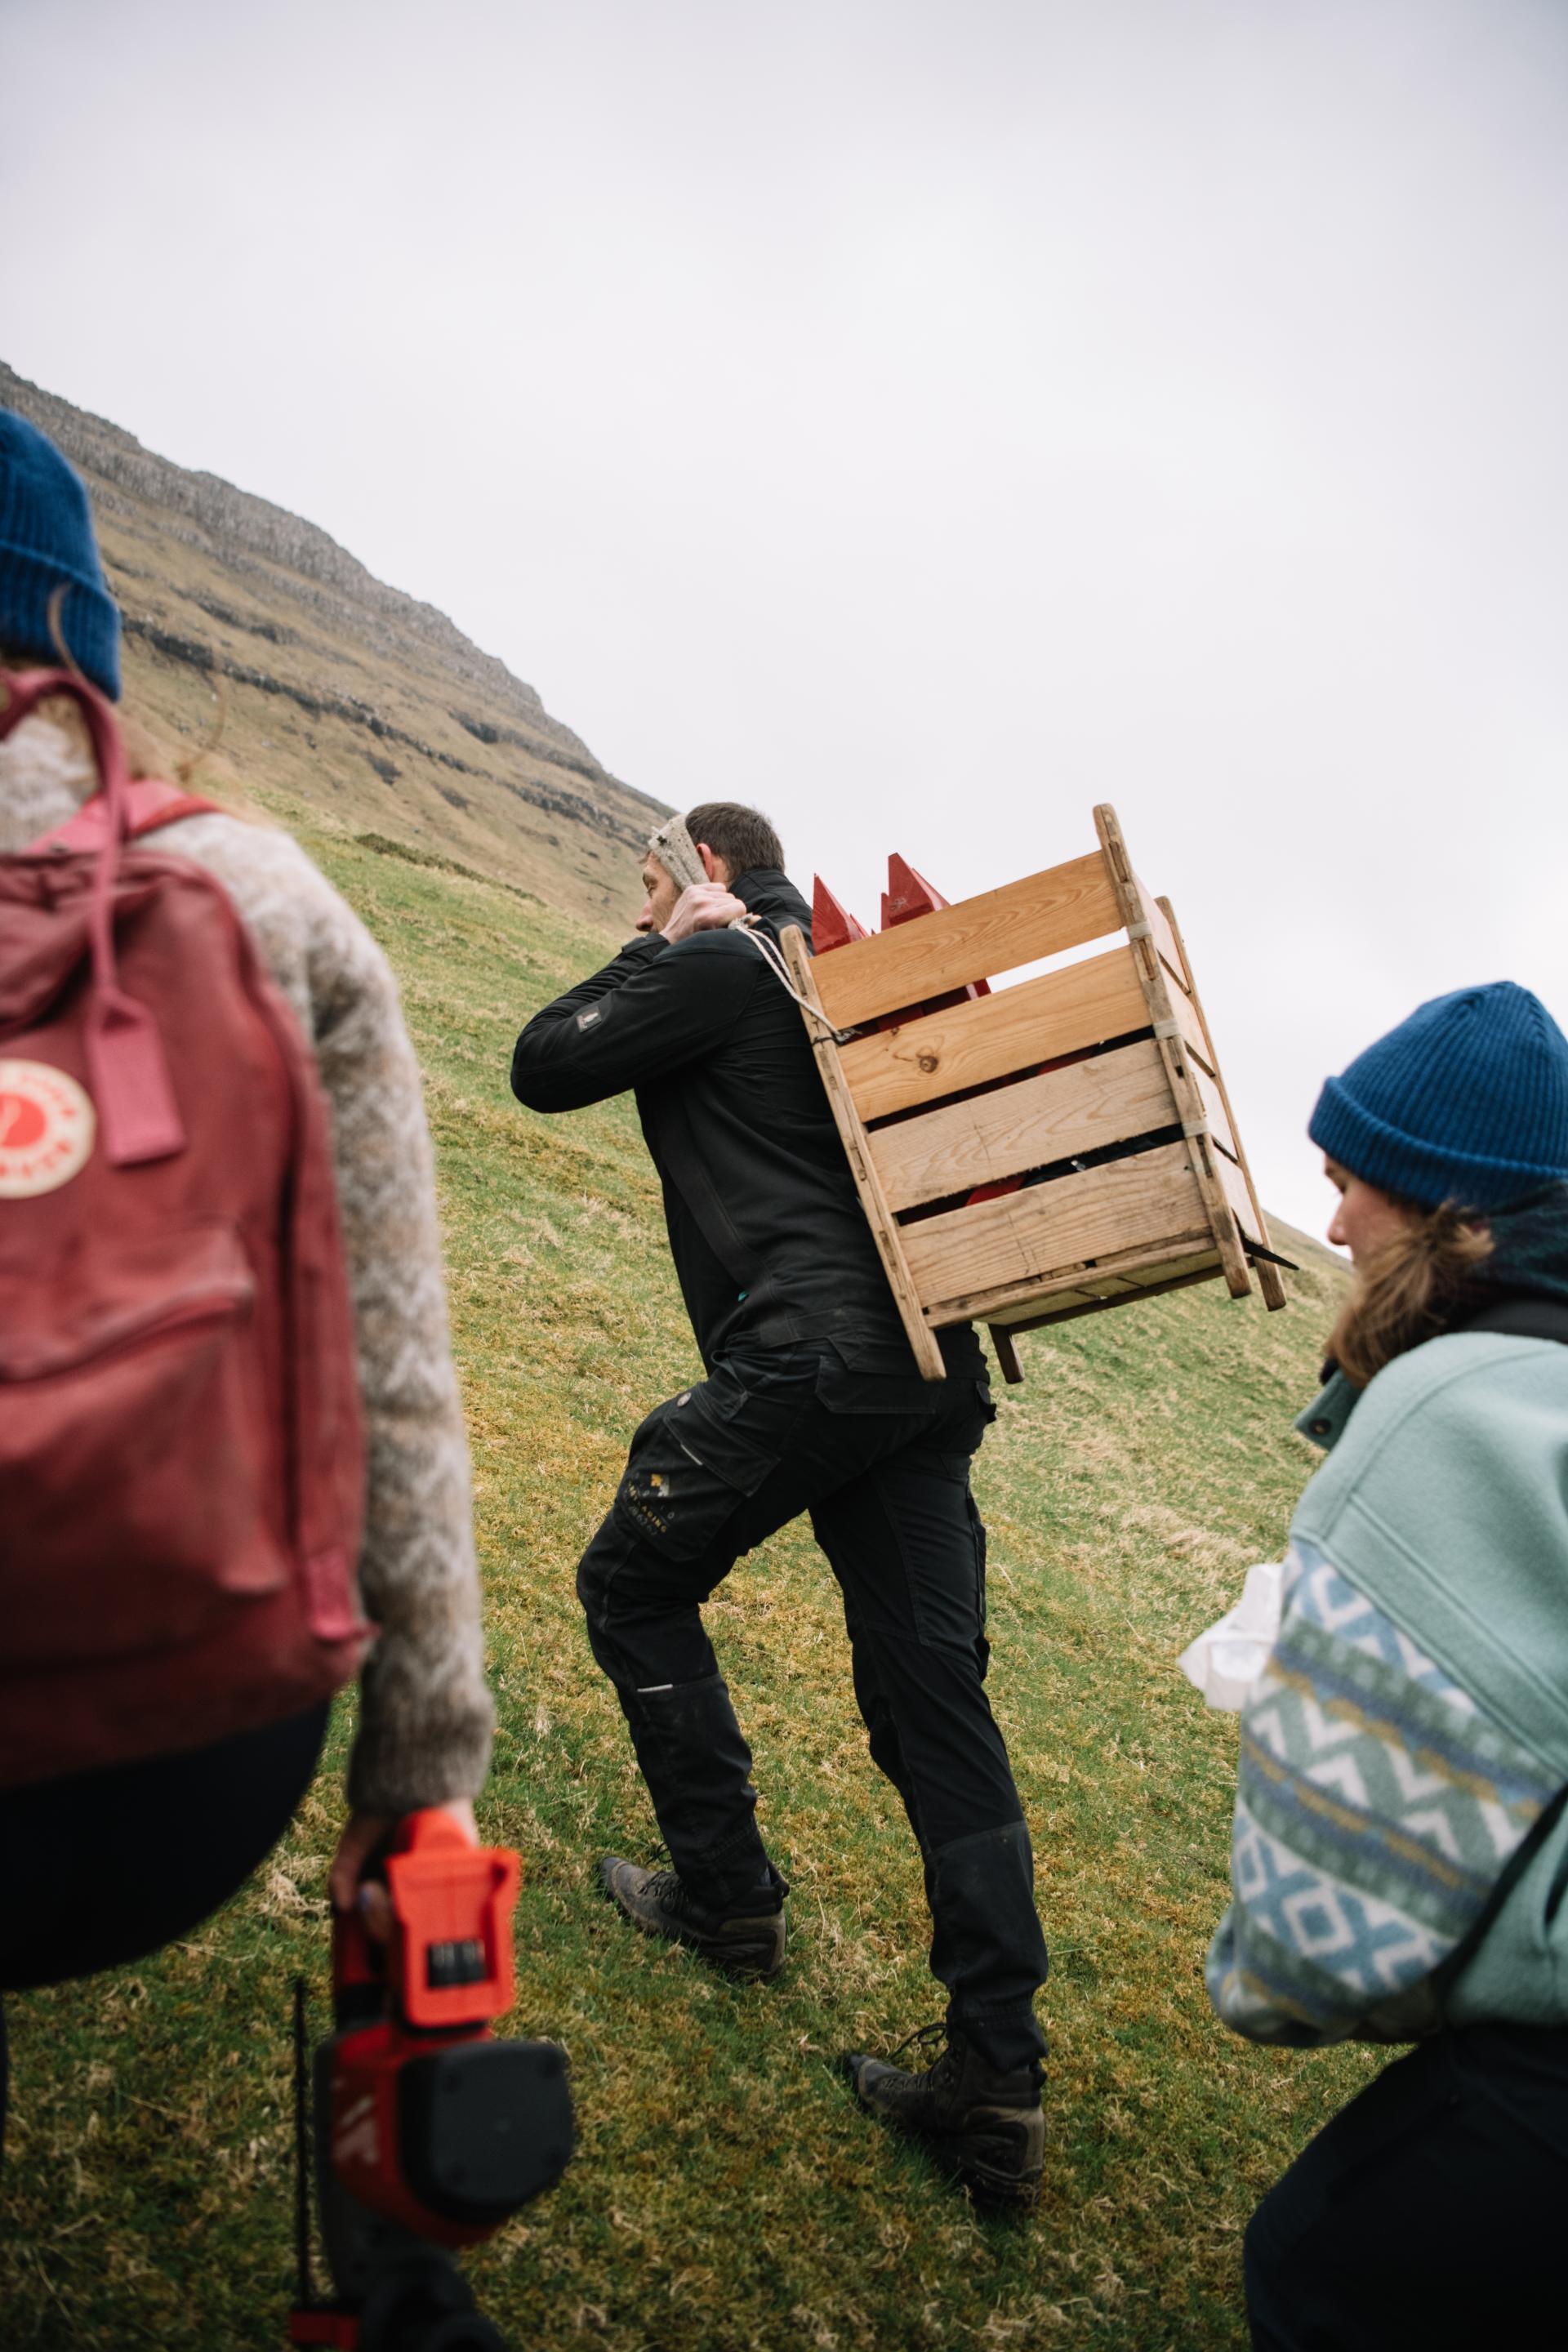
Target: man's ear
(716,868)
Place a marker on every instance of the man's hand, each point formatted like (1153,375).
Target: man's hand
(349,1889)
(703,906)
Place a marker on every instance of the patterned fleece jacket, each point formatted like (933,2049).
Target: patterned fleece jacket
(425,1717)
(1412,1721)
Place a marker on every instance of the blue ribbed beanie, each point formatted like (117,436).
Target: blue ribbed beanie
(1467,1101)
(46,541)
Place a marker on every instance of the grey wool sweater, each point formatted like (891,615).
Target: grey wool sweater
(426,1714)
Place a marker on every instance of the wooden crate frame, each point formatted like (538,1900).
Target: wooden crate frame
(943,1101)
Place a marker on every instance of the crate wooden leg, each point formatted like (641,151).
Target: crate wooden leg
(1184,1092)
(852,1135)
(1271,1281)
(1006,1353)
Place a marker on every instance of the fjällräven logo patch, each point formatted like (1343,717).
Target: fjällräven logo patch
(47,1128)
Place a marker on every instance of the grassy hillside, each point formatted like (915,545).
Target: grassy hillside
(726,2193)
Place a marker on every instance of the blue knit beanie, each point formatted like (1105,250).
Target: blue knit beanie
(1467,1101)
(46,541)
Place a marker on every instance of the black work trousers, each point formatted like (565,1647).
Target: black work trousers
(1427,2213)
(883,1468)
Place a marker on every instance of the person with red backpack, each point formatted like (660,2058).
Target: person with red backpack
(232,1457)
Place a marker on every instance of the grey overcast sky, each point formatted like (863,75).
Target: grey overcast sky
(925,420)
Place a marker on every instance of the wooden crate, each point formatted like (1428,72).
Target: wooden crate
(1097,1084)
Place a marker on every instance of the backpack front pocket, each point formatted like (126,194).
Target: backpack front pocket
(134,1466)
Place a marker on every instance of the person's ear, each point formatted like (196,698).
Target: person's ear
(716,868)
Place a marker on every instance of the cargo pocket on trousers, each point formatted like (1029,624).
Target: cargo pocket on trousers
(698,1458)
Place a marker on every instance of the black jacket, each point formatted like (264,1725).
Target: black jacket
(768,1236)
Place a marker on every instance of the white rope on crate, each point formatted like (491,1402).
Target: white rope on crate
(677,852)
(746,926)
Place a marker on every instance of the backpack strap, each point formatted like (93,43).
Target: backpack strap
(139,1117)
(1522,1317)
(148,804)
(1446,1972)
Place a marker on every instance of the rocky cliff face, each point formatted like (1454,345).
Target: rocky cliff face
(341,691)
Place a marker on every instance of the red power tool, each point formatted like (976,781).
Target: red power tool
(429,2132)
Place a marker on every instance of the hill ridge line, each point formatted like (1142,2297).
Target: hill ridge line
(207,575)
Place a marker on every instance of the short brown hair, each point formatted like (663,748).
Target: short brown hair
(742,837)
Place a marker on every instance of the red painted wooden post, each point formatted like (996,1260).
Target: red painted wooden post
(832,925)
(908,894)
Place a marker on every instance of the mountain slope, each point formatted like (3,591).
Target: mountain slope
(342,694)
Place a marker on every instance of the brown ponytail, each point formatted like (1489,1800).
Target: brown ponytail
(1407,1290)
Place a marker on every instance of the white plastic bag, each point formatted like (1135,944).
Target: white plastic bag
(1226,1660)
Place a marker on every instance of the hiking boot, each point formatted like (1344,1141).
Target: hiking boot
(984,2126)
(749,1946)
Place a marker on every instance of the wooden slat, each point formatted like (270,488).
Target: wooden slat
(1215,1110)
(1270,1279)
(852,1135)
(993,1036)
(1168,1016)
(1163,1270)
(1066,1313)
(1185,1014)
(1146,1274)
(974,939)
(1234,1186)
(1057,1116)
(1271,1282)
(1002,1246)
(1165,938)
(1026,1318)
(991,1304)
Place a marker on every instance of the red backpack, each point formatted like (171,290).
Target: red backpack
(182,1467)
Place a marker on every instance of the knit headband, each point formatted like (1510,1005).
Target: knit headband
(676,853)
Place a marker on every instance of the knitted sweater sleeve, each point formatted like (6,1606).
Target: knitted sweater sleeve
(425,1714)
(425,1719)
(1376,1804)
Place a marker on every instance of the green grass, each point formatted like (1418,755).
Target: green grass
(726,2193)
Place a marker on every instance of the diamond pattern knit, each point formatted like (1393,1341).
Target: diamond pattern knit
(1376,1804)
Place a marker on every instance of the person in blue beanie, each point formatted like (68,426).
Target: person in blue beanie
(1467,1102)
(1400,1848)
(48,550)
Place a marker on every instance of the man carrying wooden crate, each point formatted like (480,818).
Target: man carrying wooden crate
(813,1402)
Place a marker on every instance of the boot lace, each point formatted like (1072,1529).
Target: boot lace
(921,2038)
